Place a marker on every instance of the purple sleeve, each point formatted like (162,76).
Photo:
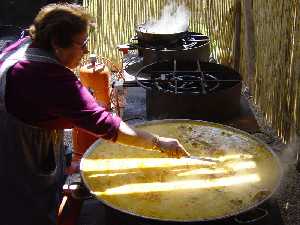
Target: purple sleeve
(73,101)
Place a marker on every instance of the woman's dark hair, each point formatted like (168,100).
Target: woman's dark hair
(59,23)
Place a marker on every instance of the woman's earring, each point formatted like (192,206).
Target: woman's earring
(57,51)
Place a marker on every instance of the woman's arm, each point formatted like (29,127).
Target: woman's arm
(130,136)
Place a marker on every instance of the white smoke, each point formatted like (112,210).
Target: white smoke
(174,19)
(290,155)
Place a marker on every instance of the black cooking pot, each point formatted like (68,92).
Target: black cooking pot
(146,37)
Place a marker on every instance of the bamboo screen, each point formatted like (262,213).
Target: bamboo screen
(275,82)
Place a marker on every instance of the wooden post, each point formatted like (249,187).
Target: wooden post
(295,70)
(237,36)
(249,42)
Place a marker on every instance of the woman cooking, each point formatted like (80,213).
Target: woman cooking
(39,97)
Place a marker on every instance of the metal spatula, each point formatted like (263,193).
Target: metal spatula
(202,158)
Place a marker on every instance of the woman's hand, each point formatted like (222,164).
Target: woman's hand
(139,138)
(170,146)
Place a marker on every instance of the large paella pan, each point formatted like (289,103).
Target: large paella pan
(151,185)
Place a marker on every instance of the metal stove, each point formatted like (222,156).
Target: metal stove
(180,82)
(198,90)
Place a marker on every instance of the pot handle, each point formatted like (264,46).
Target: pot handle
(262,214)
(134,38)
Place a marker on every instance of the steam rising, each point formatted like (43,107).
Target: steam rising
(174,19)
(291,153)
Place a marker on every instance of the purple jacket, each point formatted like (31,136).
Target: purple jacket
(50,95)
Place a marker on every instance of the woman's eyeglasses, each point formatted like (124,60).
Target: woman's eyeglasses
(84,44)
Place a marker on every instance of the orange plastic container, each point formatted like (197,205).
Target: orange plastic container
(96,78)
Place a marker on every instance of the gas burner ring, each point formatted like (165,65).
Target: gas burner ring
(173,81)
(180,83)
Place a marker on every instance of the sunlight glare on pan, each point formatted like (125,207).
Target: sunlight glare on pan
(237,166)
(110,174)
(180,185)
(241,165)
(133,163)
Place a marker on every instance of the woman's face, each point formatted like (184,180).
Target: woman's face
(71,56)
